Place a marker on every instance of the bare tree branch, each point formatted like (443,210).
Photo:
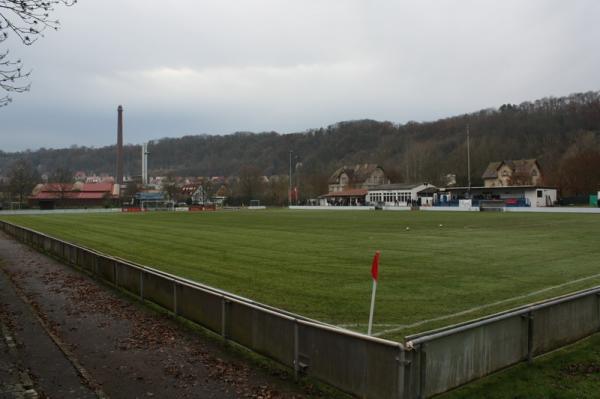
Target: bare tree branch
(27,19)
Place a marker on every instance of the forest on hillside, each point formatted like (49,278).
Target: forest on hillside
(562,133)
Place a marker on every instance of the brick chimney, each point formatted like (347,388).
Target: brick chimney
(119,176)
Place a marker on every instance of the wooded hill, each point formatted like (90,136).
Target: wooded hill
(562,133)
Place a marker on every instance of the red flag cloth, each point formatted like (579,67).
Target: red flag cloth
(375,266)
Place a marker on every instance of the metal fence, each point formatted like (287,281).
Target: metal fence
(427,364)
(360,365)
(453,356)
(57,211)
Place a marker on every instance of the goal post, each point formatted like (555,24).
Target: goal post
(255,204)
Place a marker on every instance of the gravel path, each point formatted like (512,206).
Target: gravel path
(68,336)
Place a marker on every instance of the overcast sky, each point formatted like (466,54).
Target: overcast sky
(192,67)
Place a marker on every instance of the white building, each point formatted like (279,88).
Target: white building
(532,196)
(401,194)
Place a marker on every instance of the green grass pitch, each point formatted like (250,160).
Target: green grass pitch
(317,263)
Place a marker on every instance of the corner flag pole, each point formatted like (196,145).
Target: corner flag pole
(375,275)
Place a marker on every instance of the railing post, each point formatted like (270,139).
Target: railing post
(116,274)
(224,317)
(175,297)
(598,298)
(400,374)
(529,317)
(142,285)
(422,371)
(296,350)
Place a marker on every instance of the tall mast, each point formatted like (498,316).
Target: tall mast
(119,173)
(290,182)
(145,163)
(469,158)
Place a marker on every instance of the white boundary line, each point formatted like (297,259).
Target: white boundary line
(355,325)
(401,327)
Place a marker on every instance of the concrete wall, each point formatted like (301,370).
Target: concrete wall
(449,208)
(450,357)
(396,208)
(355,363)
(554,210)
(59,211)
(332,208)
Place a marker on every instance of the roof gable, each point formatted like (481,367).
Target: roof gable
(491,172)
(357,174)
(517,166)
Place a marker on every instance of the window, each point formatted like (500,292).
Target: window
(539,193)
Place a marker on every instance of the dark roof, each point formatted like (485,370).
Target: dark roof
(429,190)
(524,166)
(397,186)
(357,174)
(518,166)
(335,177)
(353,192)
(491,172)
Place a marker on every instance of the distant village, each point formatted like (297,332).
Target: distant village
(506,183)
(518,183)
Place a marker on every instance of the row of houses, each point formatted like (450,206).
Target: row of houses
(511,182)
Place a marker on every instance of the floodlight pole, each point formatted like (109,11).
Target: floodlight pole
(290,182)
(469,160)
(297,186)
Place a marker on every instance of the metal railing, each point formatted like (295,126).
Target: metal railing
(425,365)
(364,366)
(452,356)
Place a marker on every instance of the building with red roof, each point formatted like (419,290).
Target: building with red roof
(77,195)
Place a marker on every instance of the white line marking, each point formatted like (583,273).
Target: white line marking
(476,308)
(356,325)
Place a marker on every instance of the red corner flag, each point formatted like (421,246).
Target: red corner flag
(375,266)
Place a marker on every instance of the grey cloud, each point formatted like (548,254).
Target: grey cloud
(219,66)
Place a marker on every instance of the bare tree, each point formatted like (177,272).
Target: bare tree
(62,182)
(22,178)
(28,20)
(250,185)
(207,190)
(170,186)
(580,174)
